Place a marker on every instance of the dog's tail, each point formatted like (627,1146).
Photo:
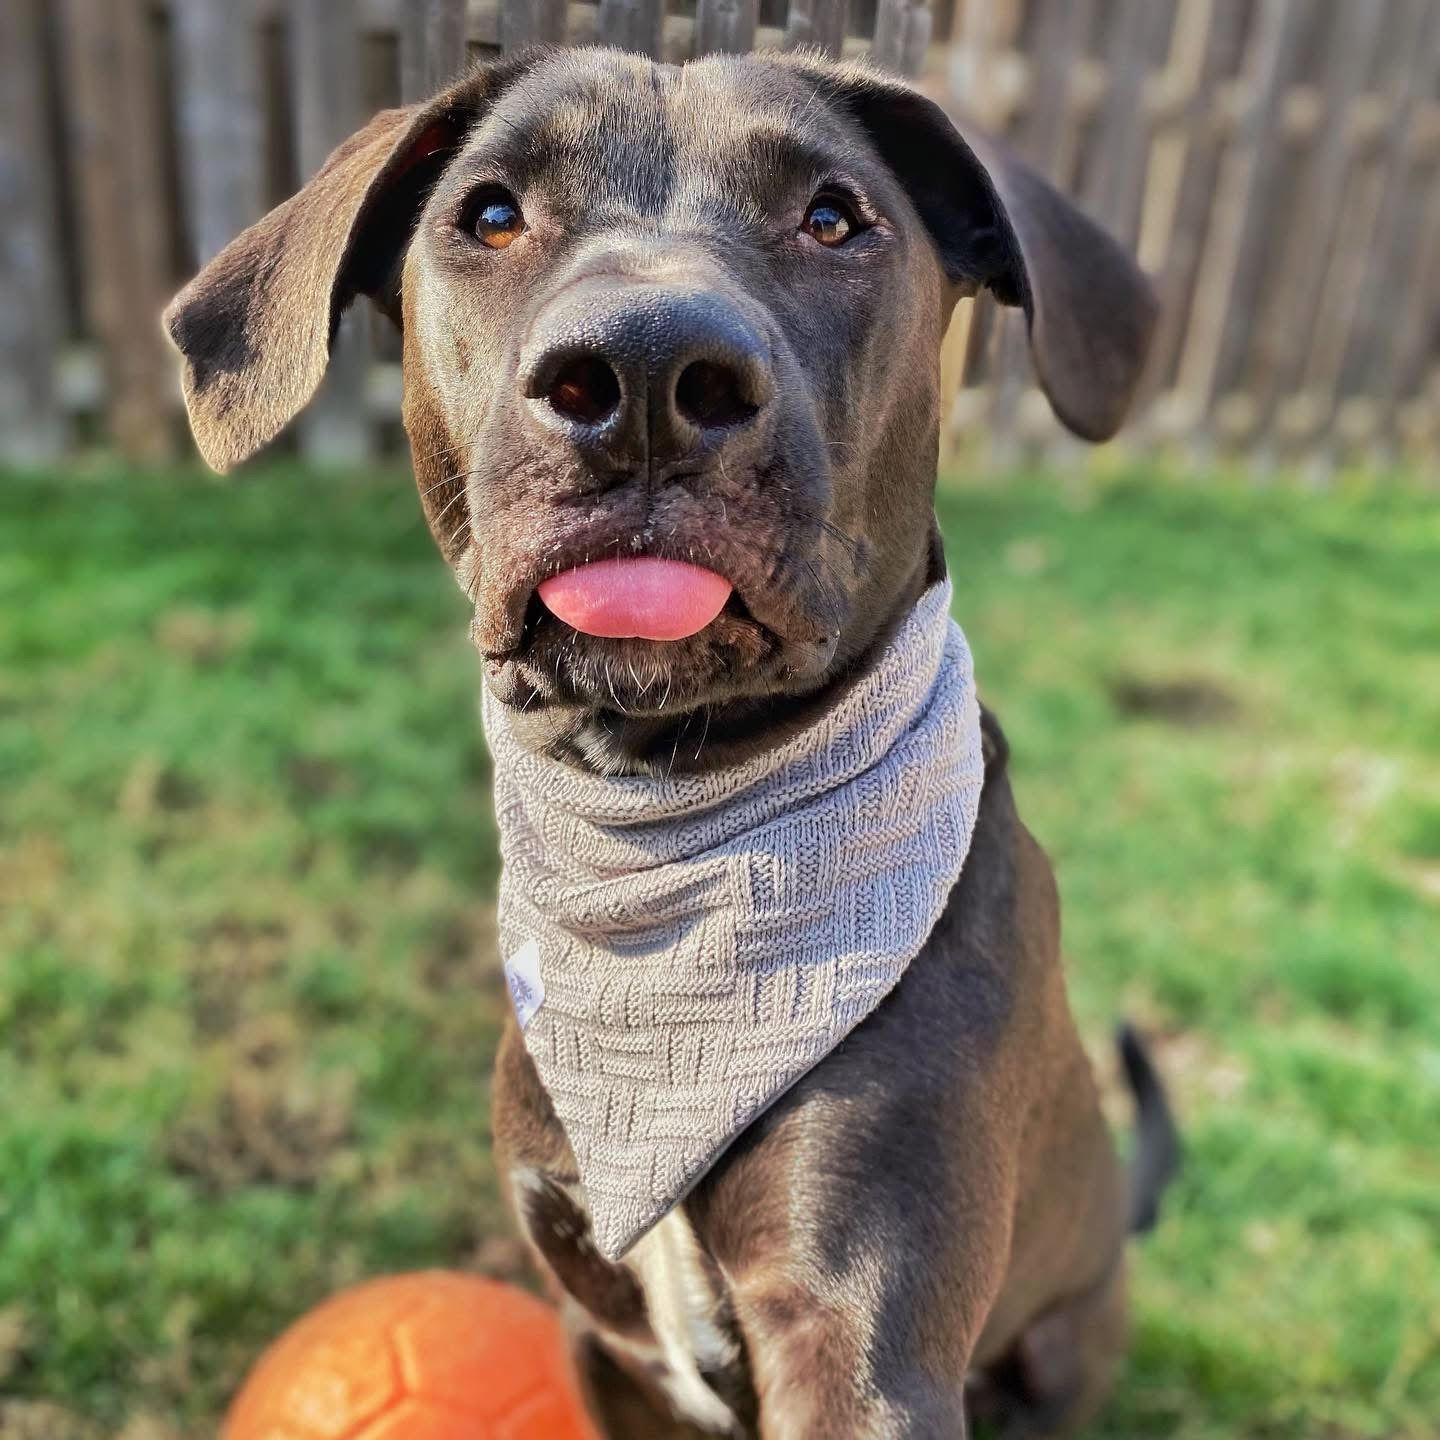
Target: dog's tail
(1157,1139)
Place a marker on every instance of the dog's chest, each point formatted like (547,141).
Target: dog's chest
(662,1312)
(689,1320)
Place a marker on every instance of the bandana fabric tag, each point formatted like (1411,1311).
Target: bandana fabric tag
(705,940)
(522,977)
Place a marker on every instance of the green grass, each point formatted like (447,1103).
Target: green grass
(247,997)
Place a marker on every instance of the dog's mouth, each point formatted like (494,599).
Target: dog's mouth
(648,635)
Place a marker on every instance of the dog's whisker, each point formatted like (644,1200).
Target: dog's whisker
(448,506)
(443,453)
(704,734)
(440,484)
(829,527)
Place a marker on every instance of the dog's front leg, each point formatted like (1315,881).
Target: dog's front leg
(824,1370)
(860,1289)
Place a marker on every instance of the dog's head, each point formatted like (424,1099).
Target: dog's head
(690,314)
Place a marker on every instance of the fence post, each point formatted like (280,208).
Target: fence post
(219,132)
(325,67)
(817,22)
(1215,347)
(1120,146)
(902,34)
(725,25)
(432,45)
(32,429)
(633,25)
(1408,391)
(1185,161)
(1359,369)
(1287,321)
(124,209)
(532,22)
(1046,137)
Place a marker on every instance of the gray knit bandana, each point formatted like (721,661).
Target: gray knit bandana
(681,951)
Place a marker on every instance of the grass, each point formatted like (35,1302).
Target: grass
(247,997)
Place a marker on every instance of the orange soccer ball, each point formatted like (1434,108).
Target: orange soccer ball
(429,1356)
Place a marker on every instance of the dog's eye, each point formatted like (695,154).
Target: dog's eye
(829,221)
(497,220)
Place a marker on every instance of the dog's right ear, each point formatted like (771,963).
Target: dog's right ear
(255,326)
(999,226)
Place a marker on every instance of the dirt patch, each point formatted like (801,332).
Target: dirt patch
(458,952)
(310,779)
(152,788)
(40,1420)
(271,1121)
(232,956)
(1187,700)
(203,637)
(14,1340)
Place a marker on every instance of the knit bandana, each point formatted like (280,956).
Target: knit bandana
(681,951)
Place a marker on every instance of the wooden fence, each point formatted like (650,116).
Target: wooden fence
(1276,164)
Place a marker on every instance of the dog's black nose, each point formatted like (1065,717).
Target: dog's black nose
(633,370)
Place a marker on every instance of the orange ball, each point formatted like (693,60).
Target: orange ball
(429,1356)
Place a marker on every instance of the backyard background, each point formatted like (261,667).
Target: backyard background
(248,990)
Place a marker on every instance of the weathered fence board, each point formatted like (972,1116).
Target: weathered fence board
(1386,295)
(1047,134)
(820,23)
(1184,170)
(32,424)
(124,211)
(325,68)
(1231,266)
(902,34)
(432,45)
(1381,131)
(725,25)
(1275,163)
(632,25)
(531,22)
(1288,319)
(219,124)
(1136,45)
(1407,391)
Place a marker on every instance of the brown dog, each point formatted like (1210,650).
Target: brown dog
(699,309)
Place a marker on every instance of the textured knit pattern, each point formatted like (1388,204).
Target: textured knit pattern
(683,950)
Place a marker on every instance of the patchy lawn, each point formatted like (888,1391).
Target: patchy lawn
(247,996)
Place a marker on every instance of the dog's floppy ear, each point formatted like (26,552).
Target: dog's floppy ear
(998,225)
(255,326)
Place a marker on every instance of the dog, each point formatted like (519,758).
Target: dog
(697,310)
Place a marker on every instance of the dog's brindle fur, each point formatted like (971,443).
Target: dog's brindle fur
(933,1219)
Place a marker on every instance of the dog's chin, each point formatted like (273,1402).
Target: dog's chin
(638,678)
(734,657)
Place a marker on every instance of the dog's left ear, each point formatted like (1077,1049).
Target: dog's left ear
(997,225)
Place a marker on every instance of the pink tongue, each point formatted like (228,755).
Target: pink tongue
(640,597)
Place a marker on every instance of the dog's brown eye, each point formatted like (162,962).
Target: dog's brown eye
(829,221)
(498,221)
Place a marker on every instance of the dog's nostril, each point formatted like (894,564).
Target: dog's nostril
(585,390)
(709,396)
